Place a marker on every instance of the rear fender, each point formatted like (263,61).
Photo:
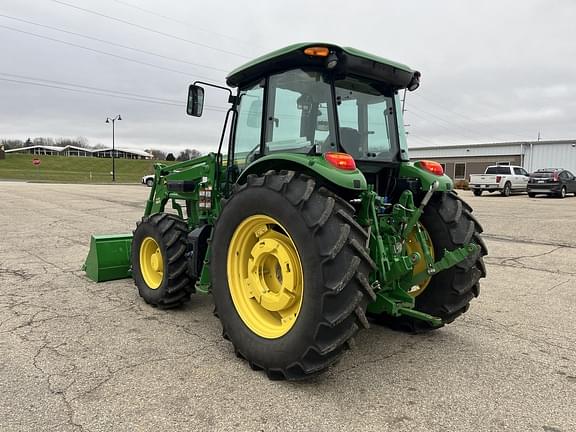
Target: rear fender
(412,171)
(315,166)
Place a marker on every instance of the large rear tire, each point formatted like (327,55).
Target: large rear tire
(159,265)
(283,234)
(450,225)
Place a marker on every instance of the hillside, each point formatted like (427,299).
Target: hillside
(73,169)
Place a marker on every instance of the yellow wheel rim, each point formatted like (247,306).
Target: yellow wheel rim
(151,263)
(413,246)
(265,276)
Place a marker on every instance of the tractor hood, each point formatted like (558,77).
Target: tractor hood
(341,60)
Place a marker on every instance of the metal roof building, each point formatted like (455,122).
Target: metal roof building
(82,152)
(460,161)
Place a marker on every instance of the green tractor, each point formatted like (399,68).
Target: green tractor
(311,221)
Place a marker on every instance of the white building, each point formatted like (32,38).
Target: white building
(460,161)
(69,150)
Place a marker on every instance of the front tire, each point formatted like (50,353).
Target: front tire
(159,265)
(450,225)
(531,195)
(477,192)
(327,245)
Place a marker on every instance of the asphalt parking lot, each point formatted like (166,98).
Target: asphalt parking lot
(80,356)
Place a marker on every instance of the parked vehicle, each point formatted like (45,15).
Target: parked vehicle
(551,181)
(500,178)
(148,180)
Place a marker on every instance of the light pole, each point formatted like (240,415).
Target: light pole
(108,119)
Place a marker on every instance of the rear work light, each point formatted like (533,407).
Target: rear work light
(342,161)
(431,166)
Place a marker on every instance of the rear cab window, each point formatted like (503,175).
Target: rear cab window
(502,170)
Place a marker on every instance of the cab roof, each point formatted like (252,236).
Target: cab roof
(350,60)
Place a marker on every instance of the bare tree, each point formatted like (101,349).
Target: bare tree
(188,154)
(158,154)
(11,143)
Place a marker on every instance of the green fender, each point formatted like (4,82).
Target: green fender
(413,171)
(314,165)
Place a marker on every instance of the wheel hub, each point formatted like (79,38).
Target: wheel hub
(415,251)
(151,263)
(265,276)
(271,273)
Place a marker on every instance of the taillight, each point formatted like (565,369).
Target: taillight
(342,161)
(555,176)
(431,166)
(498,178)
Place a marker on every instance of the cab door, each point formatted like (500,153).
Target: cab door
(521,178)
(570,181)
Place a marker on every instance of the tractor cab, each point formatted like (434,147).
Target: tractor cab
(318,100)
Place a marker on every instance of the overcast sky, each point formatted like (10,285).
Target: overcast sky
(491,70)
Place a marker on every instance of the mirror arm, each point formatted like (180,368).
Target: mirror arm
(231,97)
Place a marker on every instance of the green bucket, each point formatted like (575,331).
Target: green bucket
(109,257)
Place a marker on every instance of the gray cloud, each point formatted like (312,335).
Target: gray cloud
(492,70)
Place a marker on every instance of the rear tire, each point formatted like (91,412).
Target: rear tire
(507,191)
(150,182)
(162,281)
(477,192)
(450,224)
(335,266)
(531,195)
(562,193)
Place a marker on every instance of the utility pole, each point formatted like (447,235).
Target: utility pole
(108,119)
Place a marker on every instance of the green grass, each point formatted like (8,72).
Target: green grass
(73,169)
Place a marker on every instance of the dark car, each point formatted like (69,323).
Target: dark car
(551,181)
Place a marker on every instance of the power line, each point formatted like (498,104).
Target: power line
(98,91)
(88,92)
(112,43)
(105,53)
(438,124)
(149,29)
(469,133)
(185,23)
(479,122)
(89,87)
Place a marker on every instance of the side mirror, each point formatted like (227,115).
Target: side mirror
(195,103)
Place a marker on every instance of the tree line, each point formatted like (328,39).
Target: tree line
(183,155)
(48,141)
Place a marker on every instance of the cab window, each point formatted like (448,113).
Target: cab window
(249,125)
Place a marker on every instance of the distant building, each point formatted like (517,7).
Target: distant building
(459,161)
(82,152)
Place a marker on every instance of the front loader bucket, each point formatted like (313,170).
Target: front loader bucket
(109,257)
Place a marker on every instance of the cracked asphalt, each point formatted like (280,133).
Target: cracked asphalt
(80,356)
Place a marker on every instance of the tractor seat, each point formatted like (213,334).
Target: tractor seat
(351,141)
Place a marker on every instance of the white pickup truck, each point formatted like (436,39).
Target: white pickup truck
(500,178)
